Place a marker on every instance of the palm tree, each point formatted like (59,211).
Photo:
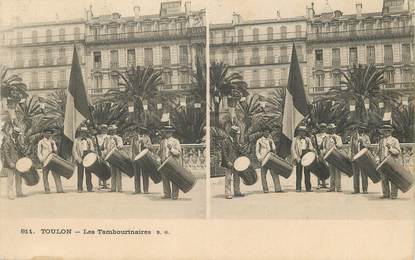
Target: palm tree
(12,88)
(224,83)
(189,122)
(111,114)
(199,81)
(404,123)
(138,84)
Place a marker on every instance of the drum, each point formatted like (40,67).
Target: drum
(25,167)
(243,167)
(339,160)
(397,173)
(311,162)
(178,174)
(278,165)
(120,160)
(367,164)
(93,163)
(59,166)
(149,163)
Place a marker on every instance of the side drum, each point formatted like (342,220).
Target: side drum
(93,163)
(120,160)
(365,161)
(29,174)
(178,174)
(339,160)
(59,166)
(277,164)
(149,163)
(311,162)
(243,167)
(397,173)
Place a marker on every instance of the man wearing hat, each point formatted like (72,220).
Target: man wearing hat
(265,145)
(322,132)
(81,147)
(358,141)
(140,142)
(45,147)
(299,147)
(170,146)
(114,141)
(329,141)
(388,146)
(101,137)
(231,150)
(10,150)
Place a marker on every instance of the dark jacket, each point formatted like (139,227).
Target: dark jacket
(231,150)
(10,152)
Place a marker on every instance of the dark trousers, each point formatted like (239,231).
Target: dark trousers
(170,189)
(56,177)
(88,178)
(357,173)
(138,175)
(299,175)
(275,179)
(389,189)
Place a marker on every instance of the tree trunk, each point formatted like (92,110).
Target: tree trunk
(216,114)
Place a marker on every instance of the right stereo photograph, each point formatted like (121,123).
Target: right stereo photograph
(312,110)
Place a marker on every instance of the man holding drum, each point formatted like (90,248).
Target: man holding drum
(329,141)
(299,147)
(358,141)
(10,156)
(114,141)
(170,146)
(230,152)
(263,146)
(322,132)
(45,147)
(102,136)
(81,147)
(388,146)
(140,142)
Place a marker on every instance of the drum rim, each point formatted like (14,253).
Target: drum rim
(96,156)
(383,162)
(49,158)
(26,159)
(165,161)
(241,157)
(110,153)
(329,152)
(360,153)
(141,154)
(266,158)
(302,159)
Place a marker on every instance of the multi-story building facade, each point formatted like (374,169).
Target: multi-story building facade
(259,50)
(336,42)
(41,53)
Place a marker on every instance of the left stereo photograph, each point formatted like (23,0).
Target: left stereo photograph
(103,110)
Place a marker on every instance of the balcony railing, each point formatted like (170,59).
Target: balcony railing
(166,61)
(33,63)
(255,60)
(97,65)
(283,82)
(240,62)
(184,60)
(114,65)
(48,61)
(27,41)
(164,87)
(270,59)
(362,34)
(148,62)
(336,63)
(61,60)
(283,59)
(147,36)
(319,64)
(251,38)
(49,84)
(269,83)
(388,61)
(388,86)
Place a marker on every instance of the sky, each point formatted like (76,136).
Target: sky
(218,10)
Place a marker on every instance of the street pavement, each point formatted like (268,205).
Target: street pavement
(319,204)
(101,203)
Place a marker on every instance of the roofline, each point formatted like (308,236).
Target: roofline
(40,24)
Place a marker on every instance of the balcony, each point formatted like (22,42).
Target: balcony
(283,59)
(336,63)
(183,60)
(270,59)
(45,40)
(114,65)
(319,64)
(255,84)
(361,34)
(147,36)
(61,60)
(240,62)
(33,63)
(97,65)
(48,62)
(265,37)
(388,61)
(166,61)
(255,60)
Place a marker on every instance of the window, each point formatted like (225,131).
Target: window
(62,54)
(353,29)
(240,57)
(77,33)
(270,55)
(407,75)
(165,55)
(255,56)
(34,58)
(130,30)
(34,36)
(98,83)
(113,31)
(240,35)
(335,57)
(49,82)
(283,77)
(371,58)
(114,81)
(320,80)
(147,27)
(255,83)
(97,60)
(283,55)
(387,26)
(298,32)
(19,59)
(224,37)
(131,58)
(270,33)
(300,55)
(183,77)
(336,78)
(183,54)
(212,55)
(19,37)
(62,79)
(148,57)
(34,80)
(353,60)
(406,53)
(114,59)
(166,77)
(388,54)
(225,56)
(389,76)
(61,34)
(270,78)
(49,35)
(283,31)
(255,33)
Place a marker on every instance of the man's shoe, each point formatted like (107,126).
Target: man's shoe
(166,197)
(265,191)
(146,192)
(228,197)
(365,192)
(330,190)
(384,197)
(174,198)
(339,190)
(309,190)
(90,191)
(297,190)
(279,191)
(20,196)
(355,192)
(239,195)
(79,191)
(136,192)
(47,191)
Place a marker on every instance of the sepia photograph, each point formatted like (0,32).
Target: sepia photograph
(103,109)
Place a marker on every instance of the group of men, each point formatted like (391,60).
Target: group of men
(102,143)
(319,142)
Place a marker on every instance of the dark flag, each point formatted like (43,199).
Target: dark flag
(295,107)
(77,105)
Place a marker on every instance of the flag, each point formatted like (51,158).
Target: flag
(77,104)
(295,106)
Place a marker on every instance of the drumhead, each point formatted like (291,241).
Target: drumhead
(141,154)
(329,152)
(110,153)
(89,159)
(383,162)
(24,164)
(166,161)
(308,159)
(241,164)
(363,151)
(266,159)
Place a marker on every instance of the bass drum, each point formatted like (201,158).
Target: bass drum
(120,160)
(339,160)
(278,165)
(243,167)
(29,174)
(397,173)
(93,163)
(59,166)
(364,161)
(178,174)
(149,163)
(311,162)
